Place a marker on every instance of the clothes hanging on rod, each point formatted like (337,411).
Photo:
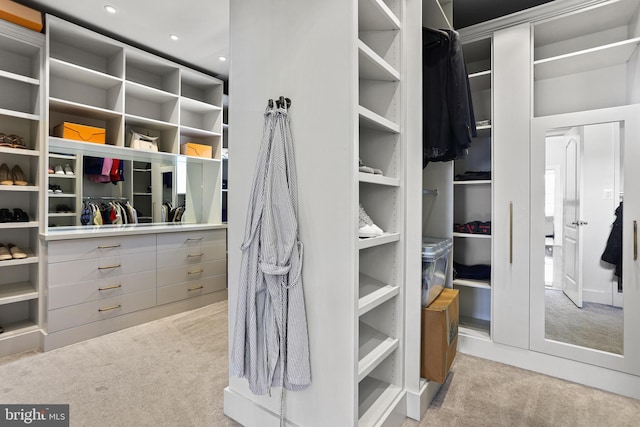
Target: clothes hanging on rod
(270,343)
(107,210)
(448,117)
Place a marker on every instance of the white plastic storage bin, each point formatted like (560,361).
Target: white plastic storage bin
(435,261)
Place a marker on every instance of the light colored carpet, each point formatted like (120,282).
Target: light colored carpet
(594,325)
(172,372)
(169,372)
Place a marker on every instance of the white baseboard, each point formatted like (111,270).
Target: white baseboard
(417,403)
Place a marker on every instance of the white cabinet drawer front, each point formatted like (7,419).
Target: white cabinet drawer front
(191,273)
(193,255)
(68,317)
(95,290)
(182,291)
(190,239)
(64,273)
(71,250)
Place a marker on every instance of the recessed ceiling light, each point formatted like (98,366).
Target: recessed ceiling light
(110,9)
(222,58)
(173,37)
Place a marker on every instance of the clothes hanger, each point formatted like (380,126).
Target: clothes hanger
(441,36)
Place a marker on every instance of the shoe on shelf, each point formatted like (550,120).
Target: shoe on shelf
(5,175)
(55,188)
(5,141)
(17,142)
(6,215)
(68,170)
(4,253)
(366,226)
(18,176)
(51,171)
(58,170)
(16,252)
(367,169)
(20,216)
(63,209)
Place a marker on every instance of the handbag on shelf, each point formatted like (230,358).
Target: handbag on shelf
(143,142)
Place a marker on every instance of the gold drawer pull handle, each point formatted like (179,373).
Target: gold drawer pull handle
(195,289)
(110,287)
(109,246)
(194,255)
(194,238)
(510,232)
(113,307)
(196,271)
(109,267)
(635,240)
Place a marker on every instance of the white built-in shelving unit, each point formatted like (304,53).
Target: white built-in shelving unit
(98,81)
(472,200)
(380,260)
(22,88)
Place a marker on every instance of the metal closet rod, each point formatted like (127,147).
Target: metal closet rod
(104,198)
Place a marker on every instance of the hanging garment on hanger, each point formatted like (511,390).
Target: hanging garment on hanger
(613,250)
(270,342)
(448,117)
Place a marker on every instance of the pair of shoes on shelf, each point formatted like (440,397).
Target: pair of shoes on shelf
(18,215)
(12,141)
(367,227)
(15,176)
(11,251)
(55,188)
(60,170)
(367,169)
(63,209)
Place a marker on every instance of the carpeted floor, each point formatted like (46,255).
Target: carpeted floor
(594,325)
(172,372)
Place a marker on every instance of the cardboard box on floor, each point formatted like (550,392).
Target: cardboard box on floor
(439,336)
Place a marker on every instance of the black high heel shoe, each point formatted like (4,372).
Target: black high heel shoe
(20,216)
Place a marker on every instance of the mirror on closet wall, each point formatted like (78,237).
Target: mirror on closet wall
(161,189)
(584,284)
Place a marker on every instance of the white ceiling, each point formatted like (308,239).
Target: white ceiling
(203,25)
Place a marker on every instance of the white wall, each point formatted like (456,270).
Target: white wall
(302,50)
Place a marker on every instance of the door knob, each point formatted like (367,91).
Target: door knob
(579,223)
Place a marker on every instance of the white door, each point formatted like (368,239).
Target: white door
(572,224)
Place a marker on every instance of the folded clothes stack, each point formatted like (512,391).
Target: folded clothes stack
(473,227)
(472,272)
(474,176)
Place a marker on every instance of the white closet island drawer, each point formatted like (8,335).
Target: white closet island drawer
(191,239)
(192,255)
(182,291)
(77,249)
(68,317)
(101,289)
(191,273)
(64,273)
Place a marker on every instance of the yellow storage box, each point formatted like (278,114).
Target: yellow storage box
(196,150)
(21,15)
(80,132)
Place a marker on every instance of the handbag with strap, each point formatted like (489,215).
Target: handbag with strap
(143,142)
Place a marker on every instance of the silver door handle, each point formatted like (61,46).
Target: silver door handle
(579,223)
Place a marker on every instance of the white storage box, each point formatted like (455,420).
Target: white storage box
(435,262)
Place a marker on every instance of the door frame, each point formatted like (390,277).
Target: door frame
(629,361)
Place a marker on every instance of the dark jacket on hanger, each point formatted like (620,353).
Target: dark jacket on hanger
(448,118)
(613,251)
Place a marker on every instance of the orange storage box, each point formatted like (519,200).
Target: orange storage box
(196,150)
(21,15)
(80,132)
